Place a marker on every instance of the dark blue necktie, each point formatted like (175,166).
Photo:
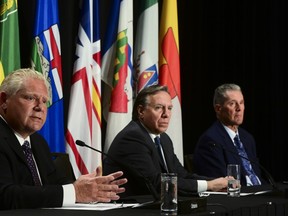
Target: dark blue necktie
(246,163)
(32,166)
(160,151)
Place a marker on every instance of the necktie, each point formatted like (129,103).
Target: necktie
(32,166)
(246,163)
(160,151)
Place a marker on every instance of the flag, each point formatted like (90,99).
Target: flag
(169,69)
(9,33)
(146,45)
(46,58)
(117,68)
(84,116)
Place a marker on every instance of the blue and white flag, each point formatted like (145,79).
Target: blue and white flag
(46,58)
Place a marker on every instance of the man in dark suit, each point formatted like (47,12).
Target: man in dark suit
(217,146)
(24,95)
(135,150)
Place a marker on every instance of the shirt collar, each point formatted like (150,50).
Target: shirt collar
(230,132)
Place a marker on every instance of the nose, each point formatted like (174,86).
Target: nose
(239,106)
(166,112)
(40,105)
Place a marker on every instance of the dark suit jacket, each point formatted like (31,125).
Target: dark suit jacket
(134,152)
(17,189)
(211,159)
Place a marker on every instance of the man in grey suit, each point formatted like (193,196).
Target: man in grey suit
(24,95)
(217,147)
(134,147)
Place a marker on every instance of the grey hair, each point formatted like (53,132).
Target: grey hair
(13,82)
(220,94)
(142,97)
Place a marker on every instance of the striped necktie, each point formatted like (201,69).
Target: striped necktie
(246,163)
(32,166)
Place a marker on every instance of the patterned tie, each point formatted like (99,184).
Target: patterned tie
(160,151)
(32,166)
(246,163)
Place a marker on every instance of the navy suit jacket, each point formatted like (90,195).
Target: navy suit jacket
(139,159)
(17,189)
(215,148)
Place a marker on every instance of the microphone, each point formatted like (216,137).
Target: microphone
(148,183)
(268,175)
(191,205)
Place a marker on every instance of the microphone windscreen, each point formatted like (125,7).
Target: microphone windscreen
(80,143)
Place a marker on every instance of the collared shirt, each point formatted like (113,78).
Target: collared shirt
(201,184)
(232,135)
(69,196)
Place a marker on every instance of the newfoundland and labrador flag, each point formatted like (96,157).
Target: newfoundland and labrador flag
(84,116)
(46,58)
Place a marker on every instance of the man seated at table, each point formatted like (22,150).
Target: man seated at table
(134,149)
(28,177)
(223,142)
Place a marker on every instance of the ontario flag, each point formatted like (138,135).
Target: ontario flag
(84,116)
(117,68)
(146,45)
(169,70)
(46,58)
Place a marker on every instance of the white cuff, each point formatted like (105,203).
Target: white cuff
(202,185)
(69,197)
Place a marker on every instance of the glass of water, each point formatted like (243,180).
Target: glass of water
(169,193)
(233,173)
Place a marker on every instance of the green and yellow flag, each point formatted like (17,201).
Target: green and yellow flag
(9,38)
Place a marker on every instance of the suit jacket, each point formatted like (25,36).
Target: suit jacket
(214,151)
(134,151)
(17,189)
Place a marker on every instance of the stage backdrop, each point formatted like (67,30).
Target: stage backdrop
(220,41)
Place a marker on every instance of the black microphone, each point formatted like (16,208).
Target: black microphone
(148,183)
(195,204)
(268,175)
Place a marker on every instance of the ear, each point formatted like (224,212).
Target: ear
(3,99)
(140,111)
(217,108)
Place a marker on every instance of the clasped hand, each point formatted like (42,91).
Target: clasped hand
(94,187)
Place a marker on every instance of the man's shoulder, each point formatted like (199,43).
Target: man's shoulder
(39,139)
(132,126)
(244,133)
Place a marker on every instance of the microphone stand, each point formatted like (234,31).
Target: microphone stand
(148,183)
(196,204)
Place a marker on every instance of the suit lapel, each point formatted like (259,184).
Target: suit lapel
(151,143)
(12,140)
(165,152)
(231,151)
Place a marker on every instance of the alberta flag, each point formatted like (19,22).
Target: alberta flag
(117,68)
(84,116)
(46,58)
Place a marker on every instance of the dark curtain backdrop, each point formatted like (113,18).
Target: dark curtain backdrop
(220,41)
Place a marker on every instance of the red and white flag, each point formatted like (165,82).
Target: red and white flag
(84,117)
